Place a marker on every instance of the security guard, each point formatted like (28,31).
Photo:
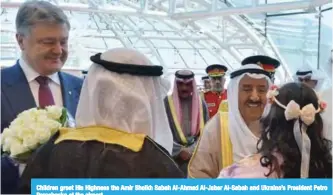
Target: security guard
(217,94)
(267,63)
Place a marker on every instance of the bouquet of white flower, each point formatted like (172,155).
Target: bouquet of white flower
(31,129)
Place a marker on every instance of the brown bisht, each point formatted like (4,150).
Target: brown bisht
(99,152)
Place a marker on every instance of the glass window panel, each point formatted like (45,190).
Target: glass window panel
(171,58)
(210,58)
(113,43)
(96,42)
(5,62)
(295,36)
(159,25)
(139,43)
(239,3)
(127,33)
(327,6)
(229,59)
(297,43)
(161,43)
(246,52)
(211,44)
(9,54)
(181,44)
(325,53)
(191,58)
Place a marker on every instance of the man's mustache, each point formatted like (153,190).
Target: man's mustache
(253,102)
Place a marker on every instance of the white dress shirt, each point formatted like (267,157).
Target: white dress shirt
(54,85)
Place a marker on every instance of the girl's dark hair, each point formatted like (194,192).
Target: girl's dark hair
(278,136)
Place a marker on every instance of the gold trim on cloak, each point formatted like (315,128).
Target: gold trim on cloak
(223,107)
(226,145)
(177,123)
(107,135)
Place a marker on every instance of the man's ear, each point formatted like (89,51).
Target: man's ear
(19,39)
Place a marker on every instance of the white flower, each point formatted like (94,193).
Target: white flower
(54,112)
(6,133)
(53,126)
(42,136)
(30,142)
(16,147)
(272,93)
(6,141)
(23,131)
(30,129)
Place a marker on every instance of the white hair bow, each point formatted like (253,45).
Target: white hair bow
(306,114)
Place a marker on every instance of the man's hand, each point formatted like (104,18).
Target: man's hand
(185,154)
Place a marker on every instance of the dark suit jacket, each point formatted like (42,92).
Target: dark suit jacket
(16,97)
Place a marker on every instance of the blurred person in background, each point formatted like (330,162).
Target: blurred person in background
(311,77)
(187,114)
(36,80)
(206,81)
(206,86)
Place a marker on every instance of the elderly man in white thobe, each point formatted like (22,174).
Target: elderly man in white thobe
(231,136)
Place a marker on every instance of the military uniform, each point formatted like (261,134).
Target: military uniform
(213,101)
(213,98)
(269,64)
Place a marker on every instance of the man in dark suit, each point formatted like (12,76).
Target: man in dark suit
(36,80)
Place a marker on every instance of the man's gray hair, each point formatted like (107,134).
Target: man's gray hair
(34,12)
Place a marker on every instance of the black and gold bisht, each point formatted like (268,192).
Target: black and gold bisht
(99,151)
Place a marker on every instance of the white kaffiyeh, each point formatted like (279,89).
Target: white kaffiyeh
(244,142)
(125,102)
(207,160)
(317,75)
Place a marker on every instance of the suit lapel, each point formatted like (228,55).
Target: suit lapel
(69,93)
(18,91)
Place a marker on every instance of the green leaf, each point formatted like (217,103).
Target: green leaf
(63,118)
